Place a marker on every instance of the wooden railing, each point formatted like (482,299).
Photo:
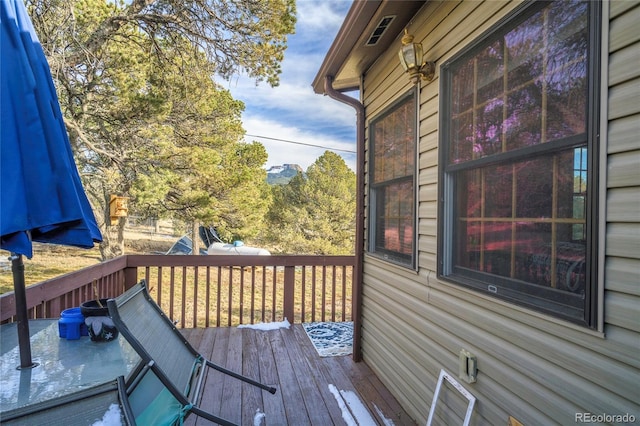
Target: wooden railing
(206,291)
(49,298)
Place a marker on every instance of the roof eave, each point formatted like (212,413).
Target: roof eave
(356,20)
(348,57)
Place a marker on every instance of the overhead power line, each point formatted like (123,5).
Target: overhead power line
(300,143)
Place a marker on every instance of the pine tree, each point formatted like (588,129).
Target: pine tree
(315,212)
(146,119)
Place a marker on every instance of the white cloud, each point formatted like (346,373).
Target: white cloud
(289,153)
(292,111)
(297,100)
(321,15)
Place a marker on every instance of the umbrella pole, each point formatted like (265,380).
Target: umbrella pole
(24,342)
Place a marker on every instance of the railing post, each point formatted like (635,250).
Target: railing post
(130,277)
(289,292)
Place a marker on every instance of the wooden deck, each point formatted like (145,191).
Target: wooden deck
(286,359)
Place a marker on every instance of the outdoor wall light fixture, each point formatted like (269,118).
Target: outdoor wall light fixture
(411,60)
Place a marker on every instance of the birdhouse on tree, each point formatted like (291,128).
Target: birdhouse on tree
(118,207)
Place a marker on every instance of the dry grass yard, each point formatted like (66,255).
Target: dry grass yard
(50,261)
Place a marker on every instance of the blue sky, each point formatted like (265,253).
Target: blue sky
(292,111)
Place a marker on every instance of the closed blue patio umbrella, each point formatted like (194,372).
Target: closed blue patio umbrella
(42,198)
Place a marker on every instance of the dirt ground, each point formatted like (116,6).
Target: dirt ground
(144,243)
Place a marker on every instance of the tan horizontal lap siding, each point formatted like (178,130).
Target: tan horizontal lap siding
(387,335)
(622,276)
(539,370)
(622,265)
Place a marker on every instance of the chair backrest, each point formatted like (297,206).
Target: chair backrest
(145,326)
(151,402)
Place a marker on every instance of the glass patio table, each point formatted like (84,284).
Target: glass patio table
(64,366)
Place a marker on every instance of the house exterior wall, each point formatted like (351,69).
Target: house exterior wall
(535,368)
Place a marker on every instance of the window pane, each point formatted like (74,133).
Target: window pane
(393,156)
(515,110)
(507,225)
(394,223)
(498,189)
(461,148)
(488,128)
(490,73)
(566,74)
(524,128)
(534,188)
(579,196)
(530,86)
(462,113)
(525,53)
(533,254)
(570,270)
(463,88)
(394,140)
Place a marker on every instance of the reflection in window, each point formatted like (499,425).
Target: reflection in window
(392,212)
(516,164)
(519,222)
(524,89)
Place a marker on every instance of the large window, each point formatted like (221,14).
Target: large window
(392,195)
(518,144)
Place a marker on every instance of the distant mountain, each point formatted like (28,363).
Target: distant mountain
(281,175)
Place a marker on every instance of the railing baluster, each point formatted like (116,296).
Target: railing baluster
(289,292)
(147,274)
(344,292)
(207,297)
(159,291)
(195,296)
(253,295)
(264,292)
(303,291)
(230,304)
(313,294)
(274,304)
(183,312)
(218,299)
(333,293)
(324,292)
(241,302)
(172,290)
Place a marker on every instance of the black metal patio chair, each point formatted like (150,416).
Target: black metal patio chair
(162,347)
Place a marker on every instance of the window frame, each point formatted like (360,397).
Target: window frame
(407,261)
(494,285)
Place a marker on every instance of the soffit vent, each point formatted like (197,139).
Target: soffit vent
(376,35)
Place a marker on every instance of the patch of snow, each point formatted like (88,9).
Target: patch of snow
(113,417)
(357,408)
(346,414)
(266,326)
(275,169)
(257,419)
(385,421)
(354,412)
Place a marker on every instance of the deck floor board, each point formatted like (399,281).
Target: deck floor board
(286,359)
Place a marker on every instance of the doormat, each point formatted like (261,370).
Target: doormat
(330,338)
